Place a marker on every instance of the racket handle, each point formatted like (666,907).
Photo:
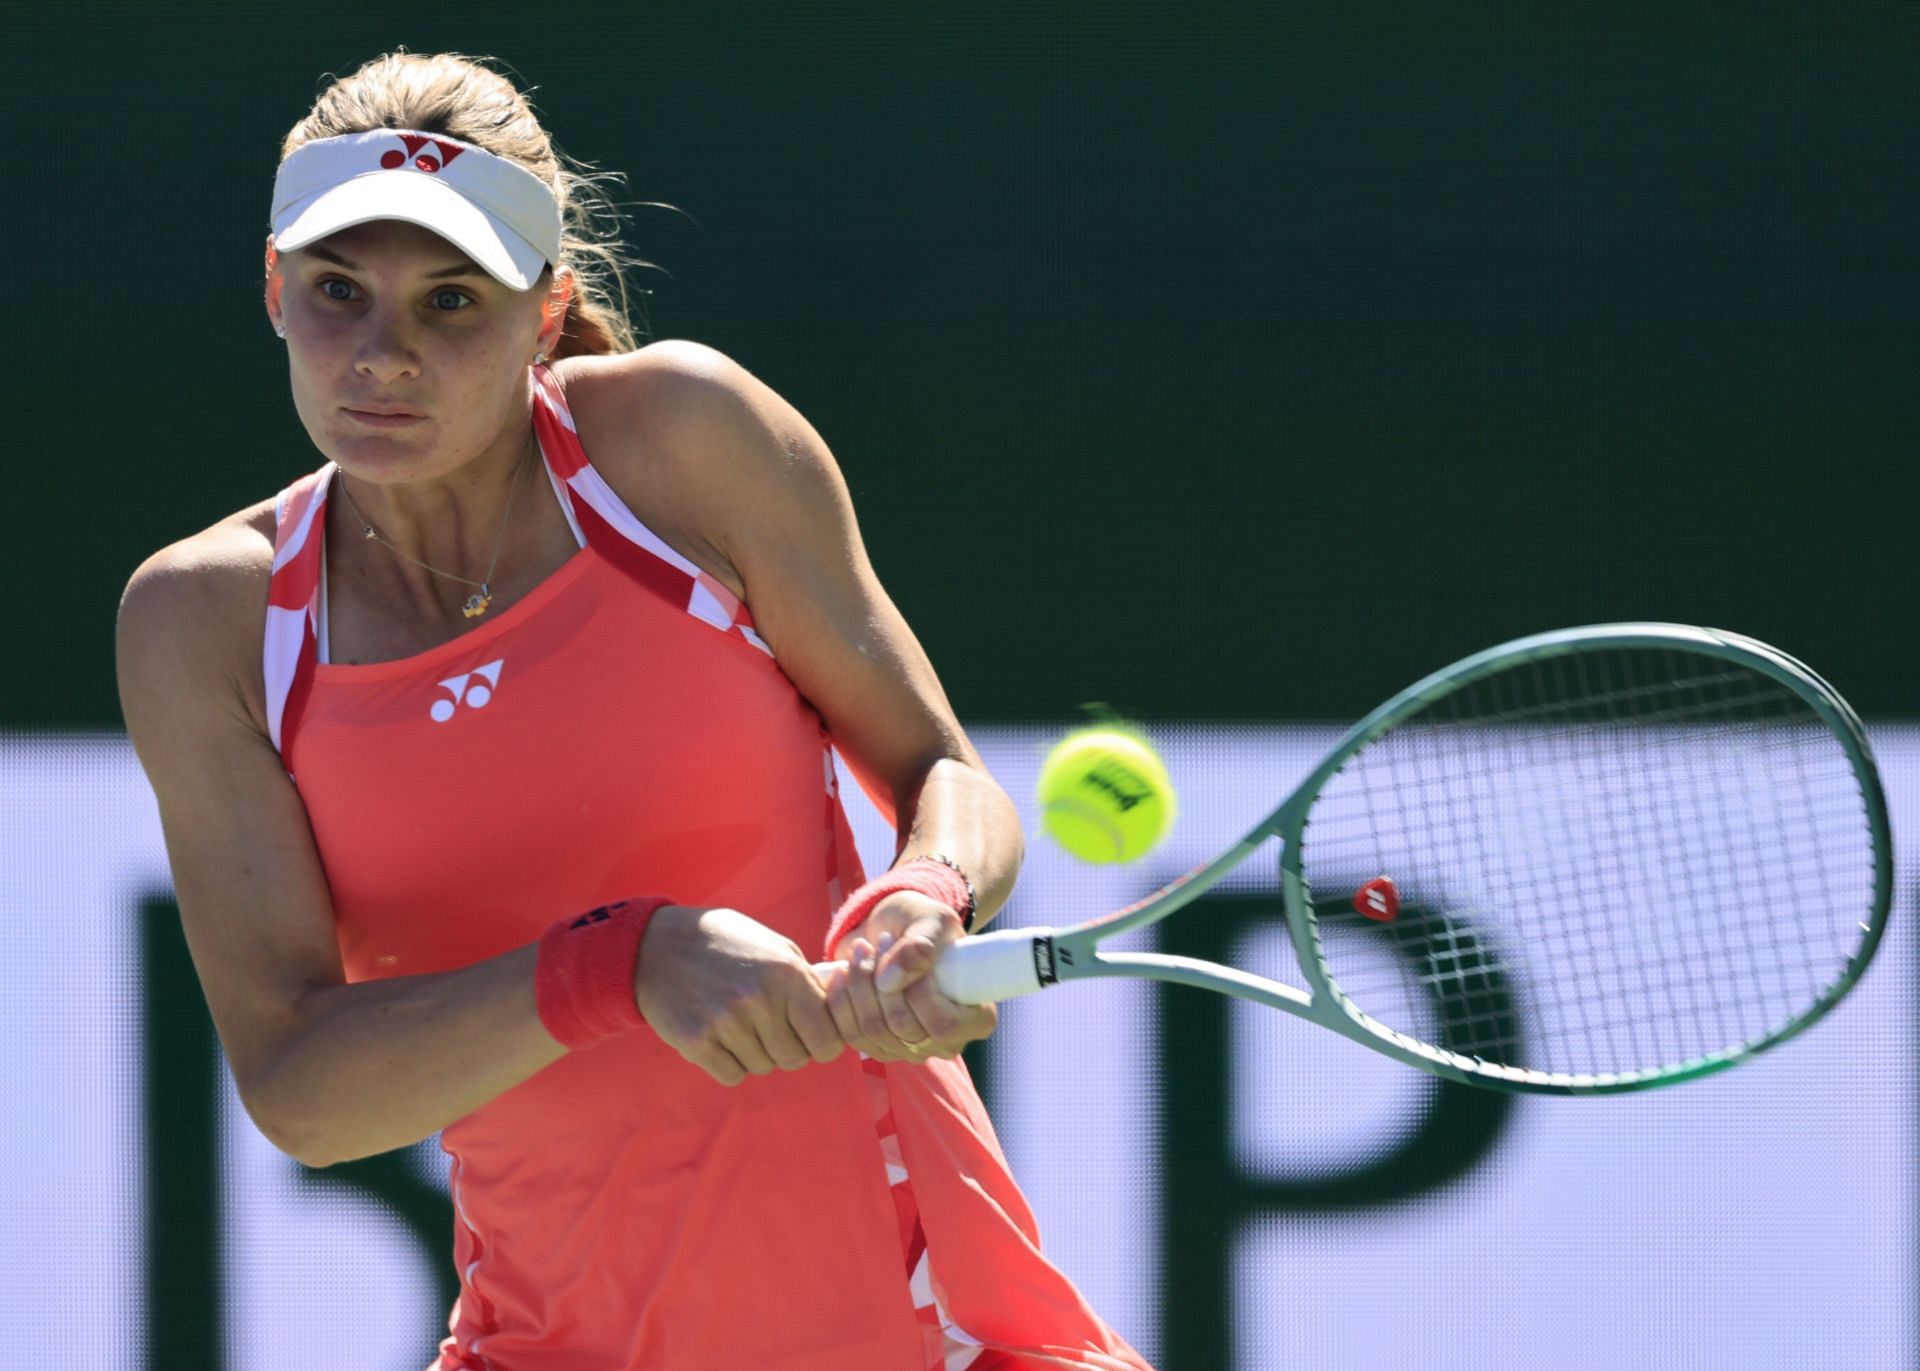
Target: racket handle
(993,966)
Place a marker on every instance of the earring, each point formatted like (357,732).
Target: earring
(279,330)
(539,357)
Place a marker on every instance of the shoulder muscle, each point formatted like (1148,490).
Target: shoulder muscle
(763,487)
(187,618)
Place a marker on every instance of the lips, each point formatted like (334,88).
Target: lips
(382,416)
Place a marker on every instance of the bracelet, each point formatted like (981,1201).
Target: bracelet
(966,914)
(583,973)
(934,876)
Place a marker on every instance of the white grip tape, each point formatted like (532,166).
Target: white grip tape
(995,966)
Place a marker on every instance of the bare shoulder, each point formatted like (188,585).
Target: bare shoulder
(775,502)
(664,387)
(193,617)
(690,439)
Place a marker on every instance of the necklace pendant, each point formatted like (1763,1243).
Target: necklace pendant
(476,605)
(370,532)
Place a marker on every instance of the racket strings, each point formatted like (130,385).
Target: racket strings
(1648,977)
(1698,857)
(1609,862)
(1477,973)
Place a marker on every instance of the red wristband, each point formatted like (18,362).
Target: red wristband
(935,877)
(583,975)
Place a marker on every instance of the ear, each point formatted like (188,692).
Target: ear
(553,309)
(274,282)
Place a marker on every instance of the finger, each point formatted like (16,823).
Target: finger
(815,1025)
(874,1037)
(738,1035)
(952,1026)
(777,1037)
(900,1020)
(840,1005)
(716,1061)
(941,1017)
(851,950)
(787,995)
(908,961)
(902,1023)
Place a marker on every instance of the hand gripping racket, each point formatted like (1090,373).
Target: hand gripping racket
(1601,859)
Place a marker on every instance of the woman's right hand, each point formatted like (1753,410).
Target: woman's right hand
(731,995)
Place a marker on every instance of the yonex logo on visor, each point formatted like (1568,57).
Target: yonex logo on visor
(394,158)
(495,210)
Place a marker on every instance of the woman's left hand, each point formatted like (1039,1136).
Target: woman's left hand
(882,994)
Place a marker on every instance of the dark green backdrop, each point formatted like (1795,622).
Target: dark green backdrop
(1215,360)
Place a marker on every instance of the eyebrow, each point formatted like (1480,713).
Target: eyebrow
(463,268)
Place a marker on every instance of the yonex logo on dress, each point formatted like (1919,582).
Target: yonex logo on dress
(464,689)
(393,158)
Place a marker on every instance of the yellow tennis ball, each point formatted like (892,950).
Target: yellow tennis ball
(1105,795)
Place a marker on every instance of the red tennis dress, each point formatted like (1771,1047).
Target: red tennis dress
(623,731)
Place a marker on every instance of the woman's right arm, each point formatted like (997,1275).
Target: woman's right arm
(331,1071)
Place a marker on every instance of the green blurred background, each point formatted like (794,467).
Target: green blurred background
(1228,361)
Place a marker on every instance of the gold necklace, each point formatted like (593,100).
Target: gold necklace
(476,605)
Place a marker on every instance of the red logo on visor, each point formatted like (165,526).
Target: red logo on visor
(394,158)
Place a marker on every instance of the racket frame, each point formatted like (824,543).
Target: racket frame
(1074,953)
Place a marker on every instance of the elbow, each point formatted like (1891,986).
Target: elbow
(288,1103)
(288,1120)
(315,1131)
(311,1157)
(290,1133)
(309,1151)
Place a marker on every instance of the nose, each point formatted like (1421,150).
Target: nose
(386,352)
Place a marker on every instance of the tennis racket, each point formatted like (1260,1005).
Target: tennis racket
(1599,859)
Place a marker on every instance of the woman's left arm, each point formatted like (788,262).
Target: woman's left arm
(761,487)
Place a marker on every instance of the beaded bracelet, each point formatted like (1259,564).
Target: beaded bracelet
(966,914)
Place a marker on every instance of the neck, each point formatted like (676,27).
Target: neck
(436,542)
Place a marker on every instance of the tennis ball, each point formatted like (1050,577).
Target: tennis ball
(1105,795)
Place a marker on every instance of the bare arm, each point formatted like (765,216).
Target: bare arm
(777,507)
(331,1071)
(960,811)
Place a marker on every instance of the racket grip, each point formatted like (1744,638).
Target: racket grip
(994,966)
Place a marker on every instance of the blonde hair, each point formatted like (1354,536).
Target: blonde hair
(457,96)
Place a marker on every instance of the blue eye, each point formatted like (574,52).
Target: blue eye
(440,298)
(344,293)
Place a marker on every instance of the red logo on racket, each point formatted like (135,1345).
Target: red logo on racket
(425,161)
(1378,900)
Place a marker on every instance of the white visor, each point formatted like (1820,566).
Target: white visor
(494,210)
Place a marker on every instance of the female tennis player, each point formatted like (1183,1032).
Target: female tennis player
(495,764)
